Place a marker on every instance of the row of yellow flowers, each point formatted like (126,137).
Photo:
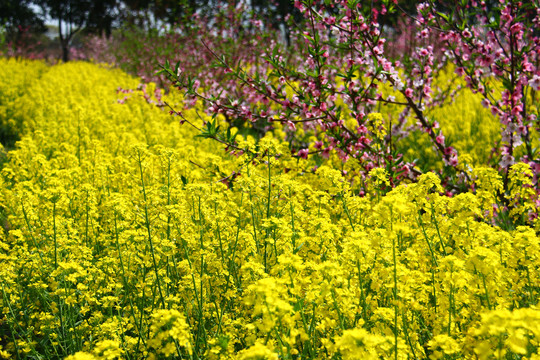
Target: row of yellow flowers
(126,237)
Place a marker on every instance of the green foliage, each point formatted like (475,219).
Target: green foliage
(17,15)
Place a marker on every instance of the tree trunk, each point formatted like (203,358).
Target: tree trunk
(65,53)
(64,41)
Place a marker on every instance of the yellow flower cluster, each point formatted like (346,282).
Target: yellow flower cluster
(125,237)
(17,75)
(376,125)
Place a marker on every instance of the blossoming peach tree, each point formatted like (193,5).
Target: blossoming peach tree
(497,49)
(337,78)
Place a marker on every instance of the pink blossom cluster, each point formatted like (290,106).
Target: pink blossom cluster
(335,72)
(500,46)
(341,64)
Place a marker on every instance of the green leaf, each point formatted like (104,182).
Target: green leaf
(444,16)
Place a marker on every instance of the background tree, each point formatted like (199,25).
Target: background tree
(75,15)
(17,17)
(151,14)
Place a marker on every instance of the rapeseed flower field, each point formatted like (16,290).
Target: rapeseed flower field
(126,237)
